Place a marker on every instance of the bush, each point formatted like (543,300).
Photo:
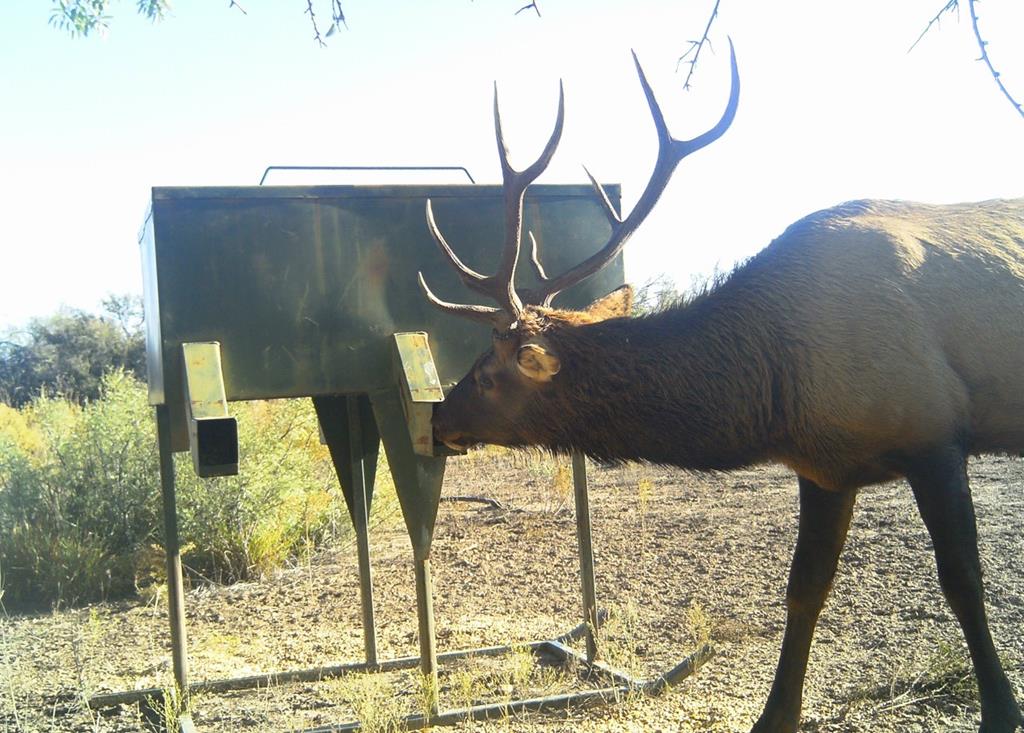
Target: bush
(69,352)
(80,515)
(285,498)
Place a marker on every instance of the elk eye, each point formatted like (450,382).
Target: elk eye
(485,382)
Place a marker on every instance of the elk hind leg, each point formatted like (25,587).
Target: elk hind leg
(943,495)
(824,521)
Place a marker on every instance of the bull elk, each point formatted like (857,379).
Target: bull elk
(870,341)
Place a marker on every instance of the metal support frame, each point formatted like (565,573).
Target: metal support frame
(361,522)
(618,684)
(585,544)
(353,427)
(172,549)
(349,430)
(620,687)
(315,674)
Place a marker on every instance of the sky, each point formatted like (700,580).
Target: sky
(832,108)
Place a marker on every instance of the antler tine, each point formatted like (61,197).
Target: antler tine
(495,317)
(470,277)
(690,146)
(538,268)
(542,295)
(528,175)
(531,296)
(515,184)
(609,211)
(501,285)
(670,153)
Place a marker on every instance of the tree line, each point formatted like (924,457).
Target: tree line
(68,353)
(80,509)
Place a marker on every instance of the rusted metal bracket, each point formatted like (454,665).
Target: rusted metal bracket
(212,433)
(420,388)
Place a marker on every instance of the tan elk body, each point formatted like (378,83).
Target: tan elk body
(870,341)
(872,329)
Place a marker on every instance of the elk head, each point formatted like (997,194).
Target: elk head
(495,401)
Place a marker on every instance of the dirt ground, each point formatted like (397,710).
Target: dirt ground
(679,558)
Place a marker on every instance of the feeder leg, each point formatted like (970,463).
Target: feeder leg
(175,589)
(351,436)
(418,485)
(361,514)
(427,639)
(586,549)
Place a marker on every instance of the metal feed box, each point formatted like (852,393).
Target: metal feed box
(303,287)
(260,293)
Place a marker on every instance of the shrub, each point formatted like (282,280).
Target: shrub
(80,497)
(74,496)
(285,497)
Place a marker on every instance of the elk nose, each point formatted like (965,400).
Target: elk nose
(455,440)
(437,419)
(442,434)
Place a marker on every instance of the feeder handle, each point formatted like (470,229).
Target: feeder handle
(365,168)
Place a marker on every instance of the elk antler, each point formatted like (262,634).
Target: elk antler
(670,153)
(501,285)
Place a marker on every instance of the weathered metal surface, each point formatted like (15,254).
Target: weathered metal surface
(417,364)
(425,631)
(624,686)
(336,433)
(172,549)
(349,430)
(212,433)
(420,387)
(585,546)
(203,380)
(417,477)
(315,674)
(303,286)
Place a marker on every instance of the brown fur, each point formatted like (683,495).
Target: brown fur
(870,341)
(863,333)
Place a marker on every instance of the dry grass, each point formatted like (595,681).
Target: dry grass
(681,560)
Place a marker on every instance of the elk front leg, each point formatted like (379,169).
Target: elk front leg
(824,520)
(944,499)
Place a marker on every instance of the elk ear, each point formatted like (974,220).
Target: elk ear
(537,363)
(616,304)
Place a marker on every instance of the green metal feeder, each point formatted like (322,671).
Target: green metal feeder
(256,293)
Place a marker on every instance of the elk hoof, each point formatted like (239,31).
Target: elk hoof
(1005,721)
(776,722)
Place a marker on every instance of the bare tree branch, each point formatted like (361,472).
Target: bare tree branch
(948,7)
(982,44)
(696,47)
(533,5)
(234,4)
(337,17)
(312,19)
(337,20)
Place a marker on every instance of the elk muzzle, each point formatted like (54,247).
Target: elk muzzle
(445,433)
